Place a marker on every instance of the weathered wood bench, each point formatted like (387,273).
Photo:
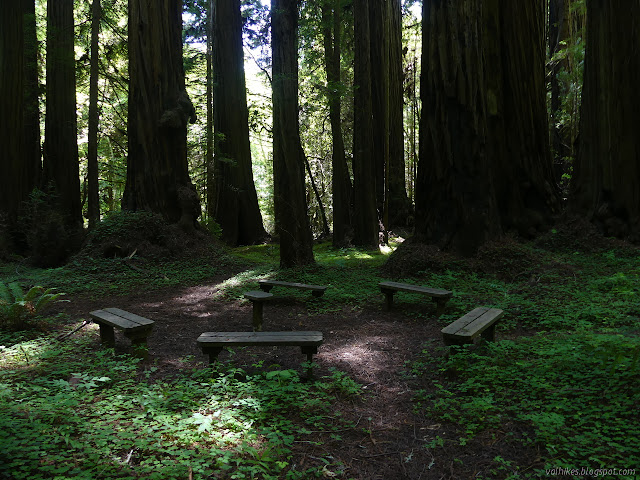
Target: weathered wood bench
(134,327)
(479,321)
(212,343)
(257,298)
(316,290)
(441,297)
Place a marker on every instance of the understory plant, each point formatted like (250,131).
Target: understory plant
(18,307)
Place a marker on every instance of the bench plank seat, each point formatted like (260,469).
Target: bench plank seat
(134,327)
(440,296)
(480,321)
(212,343)
(316,290)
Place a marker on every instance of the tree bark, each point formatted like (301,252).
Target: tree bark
(159,111)
(290,203)
(455,202)
(398,204)
(365,219)
(523,168)
(236,202)
(209,167)
(31,98)
(12,158)
(341,182)
(93,194)
(605,185)
(60,168)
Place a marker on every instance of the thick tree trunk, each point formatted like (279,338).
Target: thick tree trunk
(93,194)
(484,155)
(290,203)
(379,64)
(523,175)
(341,182)
(398,204)
(455,202)
(365,219)
(605,183)
(12,157)
(159,111)
(209,167)
(236,202)
(31,98)
(60,168)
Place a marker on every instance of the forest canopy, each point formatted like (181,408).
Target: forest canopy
(295,120)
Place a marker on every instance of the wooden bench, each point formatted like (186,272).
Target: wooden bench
(257,298)
(212,343)
(480,321)
(134,327)
(316,290)
(441,297)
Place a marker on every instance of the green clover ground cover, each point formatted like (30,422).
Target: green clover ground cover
(67,412)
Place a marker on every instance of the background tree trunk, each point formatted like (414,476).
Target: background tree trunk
(236,202)
(605,184)
(159,111)
(365,218)
(31,96)
(455,203)
(341,182)
(209,167)
(60,168)
(523,170)
(93,195)
(12,156)
(290,203)
(399,206)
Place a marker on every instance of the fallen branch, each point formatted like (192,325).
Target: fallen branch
(62,337)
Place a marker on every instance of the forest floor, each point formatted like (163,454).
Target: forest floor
(409,407)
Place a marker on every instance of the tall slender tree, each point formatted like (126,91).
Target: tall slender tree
(606,182)
(93,194)
(340,180)
(292,223)
(61,165)
(12,164)
(236,202)
(365,219)
(31,97)
(159,111)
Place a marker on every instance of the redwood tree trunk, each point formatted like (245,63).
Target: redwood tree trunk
(93,195)
(60,168)
(341,182)
(606,181)
(31,96)
(365,219)
(159,111)
(455,201)
(12,158)
(398,204)
(290,203)
(236,202)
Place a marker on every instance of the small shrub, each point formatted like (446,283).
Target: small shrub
(17,308)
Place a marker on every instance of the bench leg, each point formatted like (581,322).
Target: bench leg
(107,336)
(257,316)
(212,352)
(309,352)
(388,298)
(266,288)
(440,304)
(317,293)
(139,344)
(489,334)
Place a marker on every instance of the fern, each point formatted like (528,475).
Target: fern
(16,306)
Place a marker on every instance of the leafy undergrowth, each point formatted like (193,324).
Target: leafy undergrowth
(67,412)
(565,367)
(579,392)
